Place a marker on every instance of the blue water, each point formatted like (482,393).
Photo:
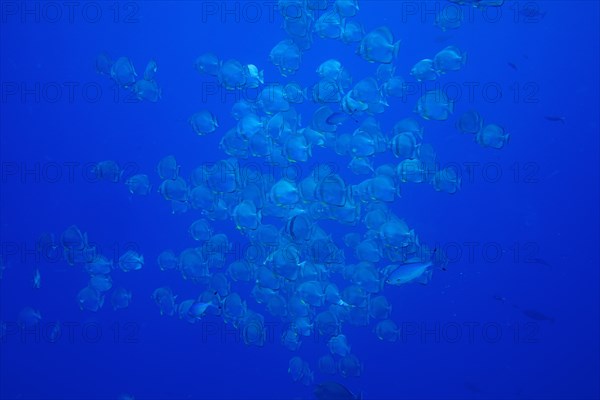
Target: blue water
(521,234)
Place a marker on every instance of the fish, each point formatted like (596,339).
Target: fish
(499,298)
(513,66)
(37,279)
(379,46)
(286,56)
(556,118)
(493,136)
(418,272)
(534,314)
(424,70)
(450,58)
(537,316)
(122,72)
(208,64)
(334,391)
(531,12)
(539,261)
(435,105)
(470,386)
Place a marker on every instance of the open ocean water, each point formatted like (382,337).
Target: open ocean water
(299,199)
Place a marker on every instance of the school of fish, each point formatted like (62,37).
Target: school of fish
(309,279)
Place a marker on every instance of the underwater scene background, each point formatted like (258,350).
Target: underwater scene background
(299,199)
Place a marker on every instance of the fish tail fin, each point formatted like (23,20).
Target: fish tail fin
(305,93)
(396,48)
(506,138)
(438,260)
(424,278)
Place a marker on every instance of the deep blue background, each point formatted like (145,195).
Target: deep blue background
(556,211)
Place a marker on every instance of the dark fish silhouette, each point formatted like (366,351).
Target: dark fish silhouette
(534,314)
(334,391)
(537,316)
(539,261)
(555,118)
(500,298)
(513,66)
(471,387)
(532,12)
